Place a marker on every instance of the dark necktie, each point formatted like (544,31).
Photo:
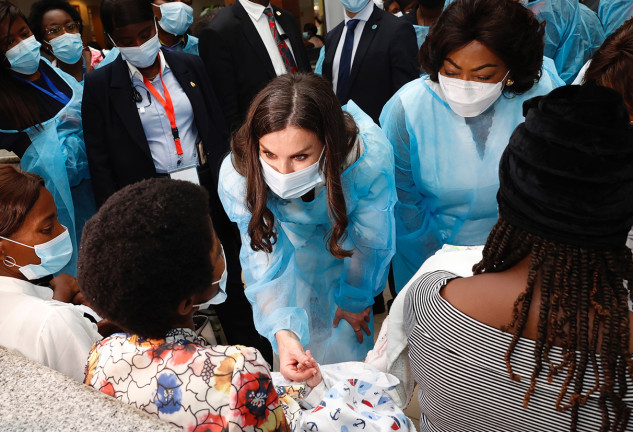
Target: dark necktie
(286,55)
(344,66)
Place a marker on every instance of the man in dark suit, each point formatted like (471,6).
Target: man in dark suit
(369,56)
(240,50)
(128,138)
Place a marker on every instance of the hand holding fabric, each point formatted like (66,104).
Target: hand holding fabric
(358,321)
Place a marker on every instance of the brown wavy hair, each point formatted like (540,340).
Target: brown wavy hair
(305,101)
(583,310)
(612,64)
(19,191)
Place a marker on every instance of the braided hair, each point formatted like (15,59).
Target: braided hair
(583,310)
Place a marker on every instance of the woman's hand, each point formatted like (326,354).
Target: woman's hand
(66,289)
(294,363)
(359,321)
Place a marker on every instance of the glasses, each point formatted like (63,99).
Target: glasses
(72,27)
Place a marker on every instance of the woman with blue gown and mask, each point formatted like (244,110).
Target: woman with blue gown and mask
(449,128)
(312,191)
(40,121)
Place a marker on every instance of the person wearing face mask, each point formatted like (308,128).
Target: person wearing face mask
(370,46)
(40,121)
(152,112)
(449,128)
(174,18)
(39,322)
(423,16)
(152,295)
(312,191)
(58,27)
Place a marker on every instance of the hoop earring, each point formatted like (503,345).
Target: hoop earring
(9,261)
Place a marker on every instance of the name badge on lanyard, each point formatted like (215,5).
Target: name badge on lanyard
(189,173)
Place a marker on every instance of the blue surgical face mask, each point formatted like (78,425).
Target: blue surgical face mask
(67,47)
(141,56)
(176,17)
(25,56)
(354,6)
(220,296)
(53,254)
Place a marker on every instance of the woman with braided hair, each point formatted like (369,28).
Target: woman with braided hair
(540,337)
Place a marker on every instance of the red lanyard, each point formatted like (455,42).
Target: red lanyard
(169,109)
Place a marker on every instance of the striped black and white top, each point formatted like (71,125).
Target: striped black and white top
(463,383)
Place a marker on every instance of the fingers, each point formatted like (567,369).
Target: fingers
(78,299)
(291,373)
(365,327)
(359,336)
(337,318)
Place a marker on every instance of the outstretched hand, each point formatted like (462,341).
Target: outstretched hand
(294,363)
(358,320)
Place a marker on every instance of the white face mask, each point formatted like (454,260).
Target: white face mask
(469,98)
(220,296)
(295,184)
(141,56)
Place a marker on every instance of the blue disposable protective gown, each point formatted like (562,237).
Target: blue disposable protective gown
(58,154)
(191,47)
(573,33)
(421,32)
(300,284)
(613,13)
(447,168)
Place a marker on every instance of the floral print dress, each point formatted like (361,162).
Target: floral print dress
(183,381)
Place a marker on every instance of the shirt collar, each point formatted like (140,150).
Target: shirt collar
(179,334)
(364,13)
(253,9)
(135,73)
(14,285)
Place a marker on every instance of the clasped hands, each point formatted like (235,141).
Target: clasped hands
(298,365)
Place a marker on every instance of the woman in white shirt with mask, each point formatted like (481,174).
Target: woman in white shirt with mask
(312,191)
(35,320)
(449,128)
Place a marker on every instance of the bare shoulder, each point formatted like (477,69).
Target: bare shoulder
(488,298)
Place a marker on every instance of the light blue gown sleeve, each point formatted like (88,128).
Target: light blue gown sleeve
(572,33)
(270,278)
(421,32)
(318,69)
(416,233)
(109,57)
(192,45)
(613,13)
(371,229)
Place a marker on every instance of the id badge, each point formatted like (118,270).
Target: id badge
(189,174)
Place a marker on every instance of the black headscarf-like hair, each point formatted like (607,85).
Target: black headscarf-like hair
(567,174)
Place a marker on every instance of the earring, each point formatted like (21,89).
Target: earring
(9,261)
(509,82)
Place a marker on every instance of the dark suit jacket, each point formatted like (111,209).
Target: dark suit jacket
(385,60)
(237,61)
(118,152)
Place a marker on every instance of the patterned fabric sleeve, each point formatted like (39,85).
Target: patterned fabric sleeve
(254,401)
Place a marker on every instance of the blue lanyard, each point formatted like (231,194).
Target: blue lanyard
(57,94)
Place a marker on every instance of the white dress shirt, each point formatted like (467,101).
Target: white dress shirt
(50,332)
(362,17)
(156,124)
(260,21)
